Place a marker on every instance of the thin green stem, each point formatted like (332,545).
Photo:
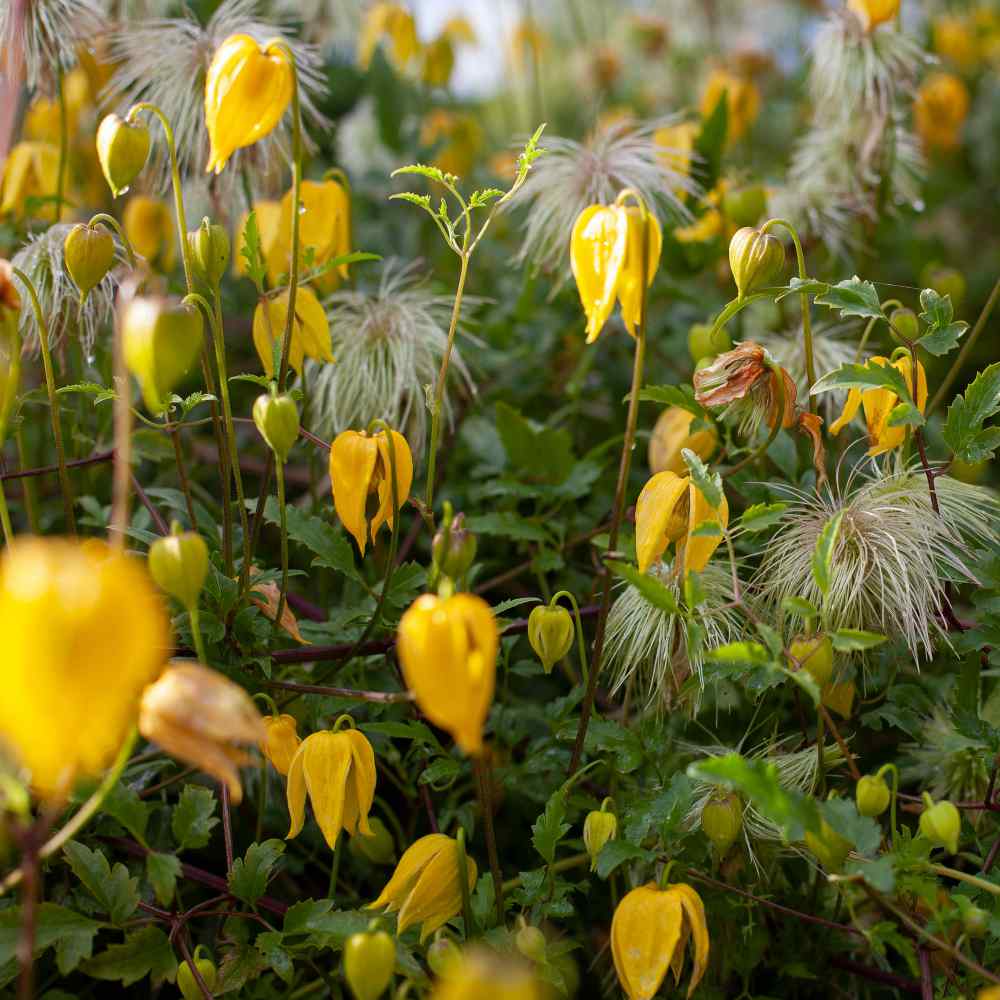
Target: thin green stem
(979,883)
(892,800)
(279,475)
(175,440)
(484,788)
(581,645)
(463,881)
(112,223)
(199,641)
(8,531)
(27,484)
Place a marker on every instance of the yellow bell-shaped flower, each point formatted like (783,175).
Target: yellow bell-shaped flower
(872,13)
(84,631)
(31,170)
(273,230)
(337,770)
(606,257)
(281,741)
(394,23)
(324,225)
(360,464)
(448,648)
(670,509)
(42,119)
(479,972)
(672,434)
(649,934)
(247,89)
(310,329)
(742,101)
(457,139)
(940,110)
(878,404)
(149,226)
(675,147)
(425,886)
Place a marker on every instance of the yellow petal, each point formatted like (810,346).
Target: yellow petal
(436,896)
(645,932)
(656,503)
(361,792)
(327,758)
(269,320)
(404,478)
(698,549)
(630,289)
(411,864)
(694,911)
(281,741)
(597,252)
(352,464)
(295,795)
(849,412)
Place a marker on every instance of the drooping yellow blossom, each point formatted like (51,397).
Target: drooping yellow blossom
(149,226)
(649,935)
(456,139)
(954,38)
(425,886)
(275,242)
(742,100)
(324,225)
(670,509)
(42,119)
(704,228)
(448,648)
(940,110)
(281,741)
(361,464)
(200,716)
(393,23)
(84,631)
(872,13)
(606,257)
(673,433)
(675,144)
(438,61)
(337,770)
(527,42)
(479,972)
(878,404)
(247,89)
(31,170)
(310,329)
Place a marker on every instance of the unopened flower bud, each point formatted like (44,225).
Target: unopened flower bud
(814,654)
(369,962)
(277,420)
(905,324)
(704,343)
(186,982)
(872,795)
(941,823)
(442,953)
(280,742)
(179,564)
(550,632)
(454,548)
(599,827)
(89,252)
(744,206)
(209,245)
(378,847)
(975,921)
(530,942)
(872,13)
(122,148)
(755,258)
(722,820)
(830,848)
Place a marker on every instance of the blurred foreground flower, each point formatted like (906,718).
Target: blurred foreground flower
(742,100)
(940,110)
(479,972)
(30,177)
(84,631)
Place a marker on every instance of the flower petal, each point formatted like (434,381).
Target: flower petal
(656,503)
(352,464)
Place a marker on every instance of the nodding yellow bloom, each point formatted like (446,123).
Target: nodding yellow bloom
(199,716)
(425,886)
(878,404)
(940,110)
(649,934)
(676,146)
(31,170)
(456,138)
(42,119)
(606,257)
(670,509)
(479,972)
(872,13)
(275,243)
(84,631)
(324,225)
(337,770)
(310,329)
(247,88)
(149,226)
(394,23)
(672,434)
(281,741)
(742,100)
(448,649)
(954,38)
(360,464)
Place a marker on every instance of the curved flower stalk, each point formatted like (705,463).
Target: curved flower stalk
(893,556)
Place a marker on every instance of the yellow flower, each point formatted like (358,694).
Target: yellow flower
(30,171)
(41,121)
(940,110)
(280,742)
(742,100)
(438,62)
(676,146)
(954,39)
(456,138)
(703,229)
(480,972)
(878,404)
(324,225)
(425,886)
(670,509)
(198,716)
(247,88)
(149,226)
(337,769)
(84,631)
(649,934)
(310,329)
(459,29)
(391,21)
(360,464)
(606,257)
(448,648)
(274,239)
(671,434)
(872,13)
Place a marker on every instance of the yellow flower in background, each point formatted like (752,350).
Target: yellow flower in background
(438,61)
(479,972)
(676,146)
(606,258)
(649,935)
(742,100)
(281,741)
(672,433)
(447,648)
(200,716)
(361,464)
(337,770)
(878,404)
(954,38)
(455,138)
(310,329)
(703,229)
(872,13)
(149,226)
(324,225)
(527,42)
(41,120)
(31,170)
(425,887)
(393,23)
(247,89)
(275,240)
(670,509)
(940,110)
(84,632)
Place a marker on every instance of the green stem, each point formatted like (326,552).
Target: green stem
(463,882)
(27,484)
(279,475)
(979,883)
(8,531)
(575,861)
(112,223)
(486,803)
(581,645)
(175,440)
(199,641)
(50,386)
(892,800)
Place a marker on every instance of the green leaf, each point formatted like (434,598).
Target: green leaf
(799,606)
(355,257)
(617,852)
(655,592)
(70,933)
(709,483)
(124,804)
(549,828)
(963,429)
(329,544)
(880,874)
(145,952)
(942,333)
(252,251)
(868,376)
(269,944)
(747,654)
(113,888)
(852,640)
(507,524)
(541,453)
(800,286)
(249,877)
(862,831)
(240,965)
(761,516)
(664,810)
(423,170)
(853,297)
(193,817)
(905,415)
(707,529)
(163,870)
(822,558)
(672,395)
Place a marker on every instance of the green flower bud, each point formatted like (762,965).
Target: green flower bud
(89,252)
(122,148)
(161,339)
(905,323)
(186,982)
(550,632)
(722,820)
(872,795)
(744,206)
(599,827)
(379,848)
(179,564)
(941,823)
(756,260)
(702,344)
(369,962)
(829,847)
(975,921)
(442,953)
(815,654)
(530,942)
(209,245)
(277,419)
(454,548)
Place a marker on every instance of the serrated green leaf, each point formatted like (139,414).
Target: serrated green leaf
(853,297)
(750,654)
(145,952)
(761,516)
(869,376)
(852,640)
(550,827)
(113,888)
(194,817)
(672,395)
(709,483)
(617,852)
(507,524)
(963,429)
(250,874)
(124,804)
(252,251)
(163,870)
(648,586)
(905,415)
(800,286)
(70,933)
(329,544)
(943,332)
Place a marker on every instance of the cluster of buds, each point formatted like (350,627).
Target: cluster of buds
(453,550)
